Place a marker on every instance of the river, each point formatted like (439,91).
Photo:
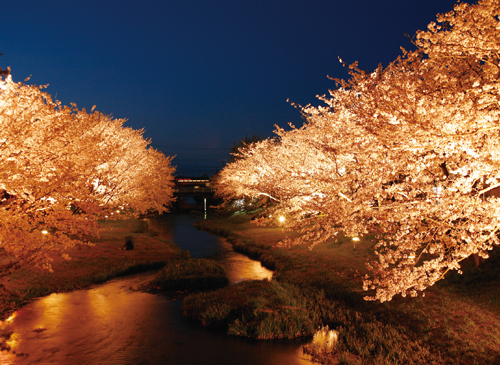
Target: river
(115,323)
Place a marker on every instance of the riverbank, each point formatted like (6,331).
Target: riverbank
(92,264)
(458,321)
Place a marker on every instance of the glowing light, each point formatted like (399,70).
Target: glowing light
(11,318)
(45,231)
(281,219)
(117,211)
(324,340)
(416,174)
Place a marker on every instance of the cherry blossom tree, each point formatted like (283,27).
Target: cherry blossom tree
(410,151)
(62,169)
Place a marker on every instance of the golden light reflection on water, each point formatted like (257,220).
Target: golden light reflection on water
(85,325)
(11,318)
(11,338)
(180,229)
(240,268)
(112,323)
(8,320)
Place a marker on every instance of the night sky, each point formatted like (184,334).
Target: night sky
(200,75)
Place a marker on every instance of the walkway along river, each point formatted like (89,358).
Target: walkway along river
(115,323)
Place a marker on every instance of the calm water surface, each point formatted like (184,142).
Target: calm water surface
(114,323)
(179,228)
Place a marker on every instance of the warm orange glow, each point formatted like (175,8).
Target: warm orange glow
(69,161)
(11,317)
(409,152)
(281,219)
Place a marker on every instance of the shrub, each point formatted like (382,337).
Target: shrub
(190,274)
(256,309)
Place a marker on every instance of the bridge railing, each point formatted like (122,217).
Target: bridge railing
(192,189)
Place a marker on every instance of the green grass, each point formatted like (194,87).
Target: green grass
(190,275)
(256,309)
(457,322)
(91,264)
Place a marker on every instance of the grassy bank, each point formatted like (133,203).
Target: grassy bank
(256,309)
(92,264)
(189,275)
(457,322)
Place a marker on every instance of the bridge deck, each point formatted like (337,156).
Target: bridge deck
(194,191)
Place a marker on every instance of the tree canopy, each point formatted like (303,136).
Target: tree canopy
(409,151)
(62,169)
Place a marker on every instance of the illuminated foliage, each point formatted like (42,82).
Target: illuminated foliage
(410,151)
(62,169)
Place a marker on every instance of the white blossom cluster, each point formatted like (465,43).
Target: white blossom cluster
(62,169)
(410,151)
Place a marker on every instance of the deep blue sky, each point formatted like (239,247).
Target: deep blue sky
(199,75)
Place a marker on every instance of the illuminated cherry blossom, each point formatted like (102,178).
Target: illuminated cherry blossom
(410,152)
(62,169)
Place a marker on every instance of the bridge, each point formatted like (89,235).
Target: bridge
(194,188)
(199,190)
